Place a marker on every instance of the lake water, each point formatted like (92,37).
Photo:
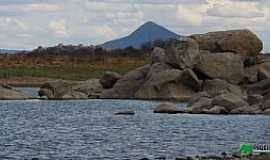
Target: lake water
(88,129)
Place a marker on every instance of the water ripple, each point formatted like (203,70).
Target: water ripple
(89,130)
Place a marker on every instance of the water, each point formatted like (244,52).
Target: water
(30,91)
(88,129)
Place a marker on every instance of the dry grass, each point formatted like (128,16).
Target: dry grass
(68,68)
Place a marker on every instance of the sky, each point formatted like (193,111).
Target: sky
(27,24)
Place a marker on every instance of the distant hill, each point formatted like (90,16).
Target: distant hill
(148,32)
(8,51)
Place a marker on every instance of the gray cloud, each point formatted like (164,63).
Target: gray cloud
(236,9)
(26,24)
(153,1)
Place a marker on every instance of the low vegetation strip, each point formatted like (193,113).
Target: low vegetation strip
(67,69)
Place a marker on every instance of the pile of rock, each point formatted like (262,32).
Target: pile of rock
(65,90)
(89,89)
(169,76)
(218,72)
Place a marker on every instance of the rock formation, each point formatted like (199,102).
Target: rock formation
(242,42)
(219,72)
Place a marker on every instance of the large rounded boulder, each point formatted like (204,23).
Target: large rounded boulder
(108,79)
(229,101)
(180,53)
(164,82)
(225,66)
(216,87)
(242,42)
(128,85)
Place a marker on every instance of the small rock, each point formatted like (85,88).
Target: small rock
(167,107)
(109,79)
(218,110)
(213,157)
(126,112)
(199,105)
(144,159)
(161,158)
(181,158)
(229,101)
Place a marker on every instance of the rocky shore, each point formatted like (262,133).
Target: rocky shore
(223,156)
(216,73)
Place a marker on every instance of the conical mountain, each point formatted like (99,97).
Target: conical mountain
(149,31)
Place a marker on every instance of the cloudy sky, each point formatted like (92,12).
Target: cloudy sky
(26,24)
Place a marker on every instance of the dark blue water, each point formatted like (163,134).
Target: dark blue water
(88,129)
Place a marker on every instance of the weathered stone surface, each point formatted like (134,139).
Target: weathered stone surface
(128,85)
(167,107)
(7,93)
(266,105)
(73,95)
(263,71)
(229,101)
(190,79)
(197,97)
(217,110)
(261,88)
(65,90)
(163,82)
(55,89)
(242,42)
(266,96)
(226,66)
(181,53)
(199,103)
(254,99)
(251,74)
(109,79)
(216,87)
(91,88)
(158,55)
(246,110)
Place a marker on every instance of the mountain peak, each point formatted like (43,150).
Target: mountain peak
(150,23)
(147,32)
